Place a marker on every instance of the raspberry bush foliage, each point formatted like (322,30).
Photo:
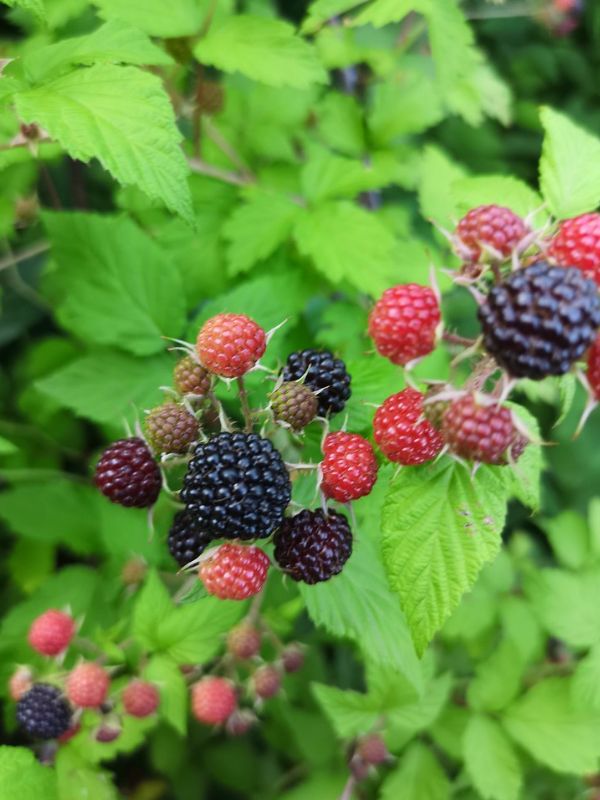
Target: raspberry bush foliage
(298,432)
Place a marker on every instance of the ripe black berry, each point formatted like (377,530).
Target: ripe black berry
(43,712)
(312,547)
(326,375)
(540,320)
(127,474)
(237,486)
(187,539)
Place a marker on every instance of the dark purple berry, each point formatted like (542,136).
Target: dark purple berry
(128,474)
(43,712)
(313,547)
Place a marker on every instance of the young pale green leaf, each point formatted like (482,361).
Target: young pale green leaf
(569,536)
(585,685)
(59,12)
(257,228)
(438,168)
(480,190)
(449,728)
(525,475)
(266,50)
(114,42)
(326,175)
(491,761)
(381,12)
(186,634)
(22,777)
(67,519)
(155,17)
(418,776)
(440,526)
(107,385)
(320,11)
(406,720)
(121,116)
(557,733)
(120,288)
(566,604)
(358,605)
(495,95)
(497,679)
(350,713)
(569,166)
(407,101)
(346,242)
(522,628)
(166,675)
(7,447)
(474,616)
(339,117)
(77,779)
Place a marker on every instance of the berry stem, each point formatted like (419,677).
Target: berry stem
(454,338)
(348,788)
(245,405)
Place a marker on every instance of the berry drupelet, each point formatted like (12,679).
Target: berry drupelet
(349,469)
(577,244)
(128,475)
(229,345)
(190,377)
(402,432)
(295,404)
(236,486)
(235,571)
(324,374)
(313,546)
(540,320)
(495,227)
(171,428)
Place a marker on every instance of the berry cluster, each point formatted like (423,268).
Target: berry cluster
(51,708)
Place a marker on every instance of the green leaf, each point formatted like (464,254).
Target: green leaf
(121,116)
(381,12)
(167,676)
(566,604)
(585,686)
(449,728)
(326,176)
(521,627)
(497,679)
(525,475)
(569,536)
(412,717)
(22,777)
(114,42)
(439,527)
(569,167)
(320,11)
(491,760)
(547,724)
(340,123)
(346,242)
(106,386)
(36,7)
(351,713)
(266,50)
(66,518)
(408,101)
(78,780)
(257,228)
(418,776)
(373,380)
(7,447)
(121,288)
(125,533)
(474,616)
(358,605)
(187,634)
(437,167)
(154,17)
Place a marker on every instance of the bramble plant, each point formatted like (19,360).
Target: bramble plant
(284,365)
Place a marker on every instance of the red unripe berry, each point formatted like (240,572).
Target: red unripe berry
(481,432)
(292,658)
(593,368)
(140,698)
(266,681)
(240,722)
(349,469)
(234,571)
(372,749)
(87,685)
(230,344)
(402,432)
(51,632)
(20,682)
(213,700)
(577,244)
(491,226)
(107,733)
(403,322)
(243,641)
